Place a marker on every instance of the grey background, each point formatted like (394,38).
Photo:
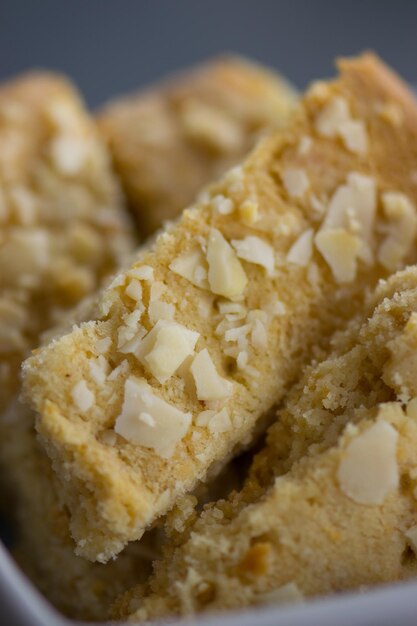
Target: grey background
(112,46)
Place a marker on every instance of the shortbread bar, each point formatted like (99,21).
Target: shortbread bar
(42,544)
(61,223)
(194,344)
(169,141)
(344,515)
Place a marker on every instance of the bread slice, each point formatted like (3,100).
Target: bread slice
(337,509)
(62,226)
(207,330)
(170,140)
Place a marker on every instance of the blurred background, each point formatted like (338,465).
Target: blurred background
(113,46)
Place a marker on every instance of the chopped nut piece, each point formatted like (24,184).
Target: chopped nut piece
(165,347)
(188,266)
(103,345)
(134,290)
(335,113)
(403,219)
(69,154)
(143,272)
(305,145)
(222,205)
(340,250)
(301,250)
(159,310)
(82,396)
(211,126)
(220,422)
(353,133)
(295,182)
(369,470)
(149,421)
(357,195)
(225,275)
(255,250)
(210,385)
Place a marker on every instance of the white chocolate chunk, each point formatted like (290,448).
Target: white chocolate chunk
(209,384)
(255,250)
(330,119)
(301,250)
(83,397)
(340,249)
(403,227)
(354,135)
(226,276)
(295,182)
(189,266)
(368,471)
(165,348)
(149,421)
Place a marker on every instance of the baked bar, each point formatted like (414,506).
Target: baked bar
(42,544)
(338,510)
(169,141)
(62,230)
(204,334)
(62,227)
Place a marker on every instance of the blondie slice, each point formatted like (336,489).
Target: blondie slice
(42,544)
(62,228)
(344,515)
(169,141)
(194,344)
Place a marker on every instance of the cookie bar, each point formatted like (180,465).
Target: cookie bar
(194,344)
(169,141)
(42,545)
(340,512)
(62,228)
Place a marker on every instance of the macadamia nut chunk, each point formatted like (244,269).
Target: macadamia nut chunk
(235,318)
